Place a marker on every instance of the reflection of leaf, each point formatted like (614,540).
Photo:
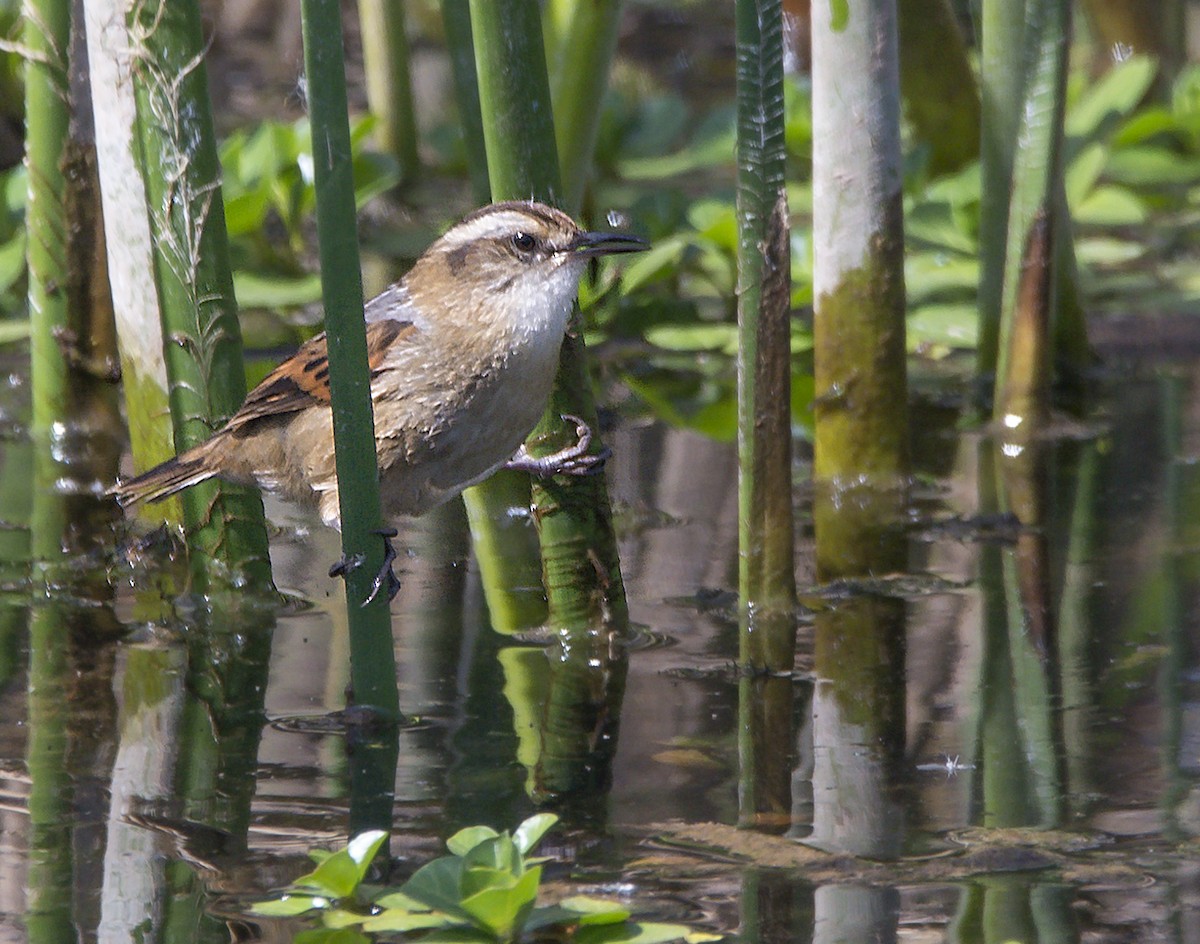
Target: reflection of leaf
(331,936)
(642,932)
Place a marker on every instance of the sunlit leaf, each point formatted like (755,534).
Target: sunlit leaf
(1102,250)
(1147,166)
(1081,176)
(246,212)
(503,910)
(14,330)
(1110,206)
(338,876)
(1116,94)
(937,225)
(467,839)
(661,260)
(530,833)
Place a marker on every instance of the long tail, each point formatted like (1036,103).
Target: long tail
(163,481)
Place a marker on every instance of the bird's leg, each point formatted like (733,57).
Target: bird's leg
(570,460)
(386,574)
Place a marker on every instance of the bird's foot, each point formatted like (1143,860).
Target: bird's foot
(386,576)
(570,460)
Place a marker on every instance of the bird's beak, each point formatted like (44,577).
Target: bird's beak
(606,244)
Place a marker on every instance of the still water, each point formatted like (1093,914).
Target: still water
(998,742)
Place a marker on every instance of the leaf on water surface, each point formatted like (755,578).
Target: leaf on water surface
(640,932)
(589,911)
(289,905)
(437,885)
(503,910)
(339,874)
(399,919)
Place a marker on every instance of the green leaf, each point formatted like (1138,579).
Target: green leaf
(467,839)
(503,910)
(15,330)
(1111,206)
(340,874)
(1100,250)
(436,884)
(596,910)
(715,336)
(1081,176)
(955,326)
(254,290)
(1147,166)
(12,261)
(937,224)
(289,906)
(398,919)
(530,832)
(398,900)
(660,261)
(246,212)
(1116,94)
(839,15)
(930,275)
(642,932)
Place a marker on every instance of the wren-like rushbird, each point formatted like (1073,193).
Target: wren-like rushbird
(462,351)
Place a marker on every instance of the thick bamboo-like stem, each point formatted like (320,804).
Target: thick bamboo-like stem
(1024,358)
(858,236)
(389,86)
(1002,83)
(579,68)
(456,17)
(372,659)
(581,570)
(203,345)
(941,96)
(582,573)
(506,544)
(128,242)
(46,35)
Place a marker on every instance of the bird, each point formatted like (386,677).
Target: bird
(462,353)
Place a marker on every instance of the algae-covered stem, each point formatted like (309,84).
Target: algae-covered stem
(858,249)
(372,660)
(46,34)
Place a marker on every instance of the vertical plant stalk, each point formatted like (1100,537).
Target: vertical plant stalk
(579,67)
(389,85)
(858,246)
(456,19)
(1002,86)
(941,96)
(128,241)
(766,573)
(372,659)
(203,344)
(46,35)
(581,569)
(505,543)
(766,534)
(1036,205)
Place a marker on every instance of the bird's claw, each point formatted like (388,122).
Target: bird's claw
(385,576)
(570,460)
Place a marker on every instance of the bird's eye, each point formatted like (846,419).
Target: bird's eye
(523,242)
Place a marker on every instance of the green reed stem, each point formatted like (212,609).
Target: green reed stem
(389,85)
(372,661)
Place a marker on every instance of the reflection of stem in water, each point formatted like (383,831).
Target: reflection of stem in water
(858,701)
(776,909)
(855,913)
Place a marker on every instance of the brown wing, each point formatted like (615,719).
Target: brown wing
(303,379)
